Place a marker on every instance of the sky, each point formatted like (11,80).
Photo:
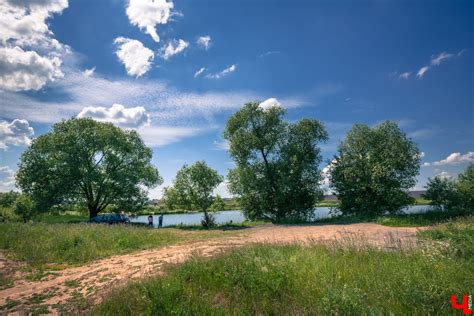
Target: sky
(176,71)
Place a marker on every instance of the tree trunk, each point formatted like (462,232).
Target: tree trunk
(93,211)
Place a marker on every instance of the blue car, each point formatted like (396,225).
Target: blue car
(109,219)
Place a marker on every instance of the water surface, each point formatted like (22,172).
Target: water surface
(236,216)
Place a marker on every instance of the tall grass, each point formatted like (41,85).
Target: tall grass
(39,243)
(296,280)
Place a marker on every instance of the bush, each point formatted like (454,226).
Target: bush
(24,208)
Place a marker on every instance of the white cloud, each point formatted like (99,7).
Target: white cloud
(136,57)
(118,114)
(146,14)
(164,103)
(164,135)
(422,72)
(444,175)
(199,72)
(269,53)
(26,70)
(223,73)
(436,60)
(204,41)
(89,72)
(405,75)
(173,47)
(222,145)
(269,103)
(453,159)
(16,133)
(29,55)
(7,178)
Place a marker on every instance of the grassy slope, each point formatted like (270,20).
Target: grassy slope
(284,279)
(39,244)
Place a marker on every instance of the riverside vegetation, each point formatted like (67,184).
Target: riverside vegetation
(312,279)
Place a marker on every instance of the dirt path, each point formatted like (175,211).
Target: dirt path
(96,278)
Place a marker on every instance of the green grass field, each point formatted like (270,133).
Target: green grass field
(39,244)
(315,279)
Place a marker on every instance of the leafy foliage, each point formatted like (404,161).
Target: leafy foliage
(277,174)
(441,192)
(453,194)
(87,162)
(374,170)
(24,207)
(192,188)
(465,188)
(8,198)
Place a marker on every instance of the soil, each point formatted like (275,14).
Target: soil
(63,289)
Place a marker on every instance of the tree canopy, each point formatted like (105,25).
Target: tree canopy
(277,163)
(87,162)
(374,170)
(193,188)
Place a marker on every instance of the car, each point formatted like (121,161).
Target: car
(109,219)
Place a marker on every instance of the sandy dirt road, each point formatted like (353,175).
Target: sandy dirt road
(93,280)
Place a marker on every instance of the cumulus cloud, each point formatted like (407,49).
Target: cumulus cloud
(204,42)
(453,159)
(444,175)
(89,72)
(199,72)
(26,70)
(7,178)
(136,58)
(173,47)
(16,133)
(118,114)
(269,103)
(146,14)
(222,73)
(29,55)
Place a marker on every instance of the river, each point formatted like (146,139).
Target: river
(236,216)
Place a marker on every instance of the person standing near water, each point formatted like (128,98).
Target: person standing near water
(150,220)
(160,221)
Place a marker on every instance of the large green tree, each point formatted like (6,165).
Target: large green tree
(374,170)
(193,188)
(277,163)
(465,189)
(87,162)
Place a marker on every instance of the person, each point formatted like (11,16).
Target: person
(150,221)
(160,221)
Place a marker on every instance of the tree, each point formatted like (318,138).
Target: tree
(441,192)
(24,207)
(8,198)
(465,189)
(277,163)
(374,170)
(218,205)
(87,162)
(192,189)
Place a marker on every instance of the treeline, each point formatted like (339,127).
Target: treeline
(276,177)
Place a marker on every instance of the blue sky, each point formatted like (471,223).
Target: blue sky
(175,71)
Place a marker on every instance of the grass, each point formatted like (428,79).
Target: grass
(314,279)
(40,244)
